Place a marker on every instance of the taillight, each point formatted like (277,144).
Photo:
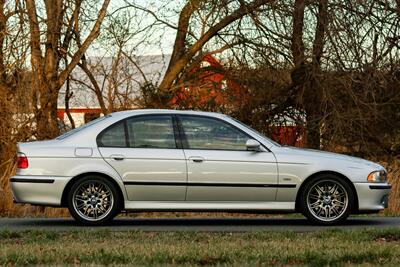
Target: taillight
(22,162)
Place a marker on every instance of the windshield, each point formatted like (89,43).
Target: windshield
(84,126)
(255,132)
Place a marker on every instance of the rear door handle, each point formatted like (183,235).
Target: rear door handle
(117,157)
(196,159)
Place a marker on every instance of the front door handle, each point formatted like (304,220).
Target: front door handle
(196,159)
(117,157)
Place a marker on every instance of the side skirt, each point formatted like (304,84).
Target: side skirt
(209,206)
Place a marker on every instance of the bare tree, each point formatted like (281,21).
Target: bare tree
(47,71)
(116,77)
(13,80)
(306,75)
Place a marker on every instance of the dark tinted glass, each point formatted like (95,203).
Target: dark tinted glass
(151,132)
(205,133)
(113,136)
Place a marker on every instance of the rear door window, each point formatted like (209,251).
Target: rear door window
(151,132)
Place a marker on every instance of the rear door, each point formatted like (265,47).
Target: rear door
(144,151)
(219,166)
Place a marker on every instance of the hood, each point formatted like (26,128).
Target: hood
(329,155)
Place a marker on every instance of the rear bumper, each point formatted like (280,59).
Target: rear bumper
(38,190)
(372,196)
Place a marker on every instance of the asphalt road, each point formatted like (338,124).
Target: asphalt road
(198,225)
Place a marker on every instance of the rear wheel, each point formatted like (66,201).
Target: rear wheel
(93,200)
(327,199)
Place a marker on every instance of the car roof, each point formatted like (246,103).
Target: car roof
(128,113)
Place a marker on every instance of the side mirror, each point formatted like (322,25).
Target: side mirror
(253,145)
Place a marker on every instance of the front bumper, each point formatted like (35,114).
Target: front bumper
(38,190)
(372,196)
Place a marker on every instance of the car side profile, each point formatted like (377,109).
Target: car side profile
(168,160)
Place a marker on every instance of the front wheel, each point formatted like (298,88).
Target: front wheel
(327,200)
(93,200)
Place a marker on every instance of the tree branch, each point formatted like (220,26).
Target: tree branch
(81,51)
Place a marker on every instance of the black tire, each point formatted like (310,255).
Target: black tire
(317,209)
(99,198)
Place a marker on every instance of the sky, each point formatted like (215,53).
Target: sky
(159,39)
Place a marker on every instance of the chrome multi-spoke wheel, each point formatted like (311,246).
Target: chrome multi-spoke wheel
(327,200)
(93,200)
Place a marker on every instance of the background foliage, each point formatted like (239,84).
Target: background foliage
(331,68)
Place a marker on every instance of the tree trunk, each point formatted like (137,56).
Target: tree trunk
(313,139)
(306,76)
(68,95)
(314,93)
(46,115)
(297,45)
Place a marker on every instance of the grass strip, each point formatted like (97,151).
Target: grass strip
(92,247)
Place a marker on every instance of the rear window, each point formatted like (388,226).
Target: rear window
(113,136)
(84,126)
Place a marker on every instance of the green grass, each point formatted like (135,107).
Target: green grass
(331,247)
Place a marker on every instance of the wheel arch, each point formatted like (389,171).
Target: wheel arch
(77,177)
(340,175)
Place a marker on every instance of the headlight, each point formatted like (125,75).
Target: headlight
(377,176)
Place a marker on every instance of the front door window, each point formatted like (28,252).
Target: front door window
(212,134)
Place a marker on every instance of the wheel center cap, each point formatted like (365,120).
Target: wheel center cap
(93,200)
(327,200)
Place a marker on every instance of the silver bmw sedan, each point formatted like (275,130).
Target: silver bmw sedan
(167,160)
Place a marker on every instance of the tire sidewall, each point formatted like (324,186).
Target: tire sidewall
(326,177)
(114,210)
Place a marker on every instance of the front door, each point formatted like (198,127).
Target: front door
(219,166)
(143,149)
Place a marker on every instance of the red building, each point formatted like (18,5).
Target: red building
(210,86)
